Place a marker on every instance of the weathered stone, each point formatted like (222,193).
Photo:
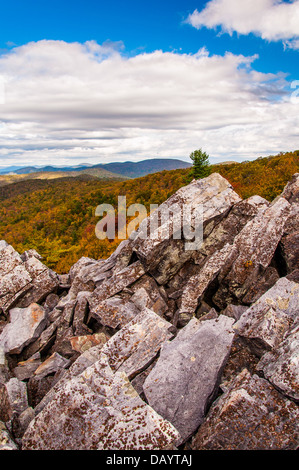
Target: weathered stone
(241,357)
(251,415)
(26,324)
(26,369)
(21,422)
(162,255)
(293,276)
(116,283)
(42,344)
(281,366)
(267,321)
(82,263)
(254,248)
(139,379)
(51,365)
(114,312)
(263,283)
(290,250)
(229,227)
(51,302)
(31,254)
(135,346)
(80,316)
(5,373)
(37,388)
(291,190)
(187,374)
(85,360)
(64,281)
(99,410)
(13,400)
(6,442)
(121,256)
(155,297)
(9,259)
(62,344)
(83,343)
(23,279)
(234,311)
(44,282)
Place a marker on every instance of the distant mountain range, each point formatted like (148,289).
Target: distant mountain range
(106,170)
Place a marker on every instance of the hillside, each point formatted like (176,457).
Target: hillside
(56,217)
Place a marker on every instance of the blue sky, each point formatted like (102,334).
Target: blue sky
(100,81)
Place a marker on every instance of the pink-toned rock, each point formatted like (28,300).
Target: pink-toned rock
(83,343)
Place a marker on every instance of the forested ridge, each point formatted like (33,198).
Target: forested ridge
(57,217)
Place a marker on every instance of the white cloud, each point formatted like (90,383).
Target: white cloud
(71,102)
(292,44)
(270,19)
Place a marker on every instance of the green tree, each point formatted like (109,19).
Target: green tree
(201,164)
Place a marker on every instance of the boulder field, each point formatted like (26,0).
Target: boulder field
(160,347)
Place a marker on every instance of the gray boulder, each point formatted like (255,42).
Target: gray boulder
(99,410)
(281,365)
(135,346)
(26,324)
(13,399)
(254,248)
(266,322)
(187,374)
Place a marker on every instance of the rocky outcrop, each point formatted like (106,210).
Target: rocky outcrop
(189,366)
(159,346)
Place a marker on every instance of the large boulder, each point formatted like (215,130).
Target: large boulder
(250,415)
(163,255)
(26,325)
(254,247)
(99,410)
(281,365)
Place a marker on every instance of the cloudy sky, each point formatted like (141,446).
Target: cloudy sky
(95,81)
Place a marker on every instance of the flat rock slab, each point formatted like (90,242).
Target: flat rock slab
(251,415)
(26,369)
(267,321)
(161,254)
(23,279)
(114,312)
(13,399)
(198,283)
(83,343)
(137,343)
(281,366)
(85,360)
(99,410)
(188,371)
(254,249)
(26,325)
